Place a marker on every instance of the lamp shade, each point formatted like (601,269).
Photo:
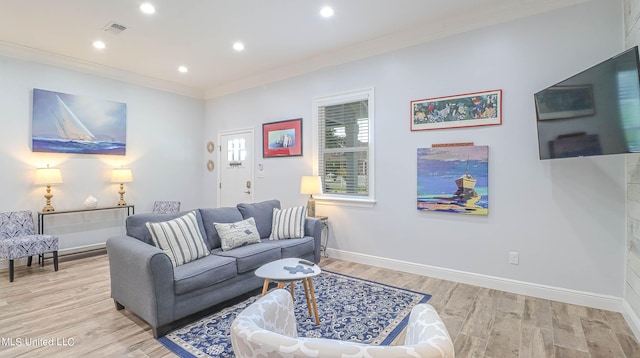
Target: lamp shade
(48,176)
(311,184)
(121,175)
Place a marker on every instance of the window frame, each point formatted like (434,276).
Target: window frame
(342,98)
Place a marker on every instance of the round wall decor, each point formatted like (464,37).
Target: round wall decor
(210,147)
(210,165)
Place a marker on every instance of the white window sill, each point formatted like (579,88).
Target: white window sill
(345,201)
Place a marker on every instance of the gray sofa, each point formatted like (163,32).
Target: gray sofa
(144,281)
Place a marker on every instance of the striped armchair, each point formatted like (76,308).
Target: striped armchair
(18,239)
(267,329)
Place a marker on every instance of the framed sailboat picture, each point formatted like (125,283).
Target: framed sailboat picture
(66,123)
(454,179)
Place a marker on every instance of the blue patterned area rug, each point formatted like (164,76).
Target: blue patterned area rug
(350,309)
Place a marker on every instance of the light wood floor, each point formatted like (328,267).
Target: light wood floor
(72,310)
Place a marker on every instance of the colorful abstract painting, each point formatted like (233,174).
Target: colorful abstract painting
(454,179)
(464,110)
(65,123)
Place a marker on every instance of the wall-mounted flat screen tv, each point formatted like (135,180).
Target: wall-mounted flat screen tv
(595,112)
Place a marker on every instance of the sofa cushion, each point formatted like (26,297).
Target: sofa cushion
(295,247)
(252,256)
(218,215)
(179,238)
(262,212)
(204,272)
(288,223)
(136,227)
(237,234)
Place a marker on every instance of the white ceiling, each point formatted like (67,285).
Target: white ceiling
(283,38)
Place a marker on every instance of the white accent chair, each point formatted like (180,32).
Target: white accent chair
(267,328)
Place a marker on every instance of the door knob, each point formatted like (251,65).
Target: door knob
(248,192)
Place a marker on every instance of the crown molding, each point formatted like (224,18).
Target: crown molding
(510,11)
(30,54)
(415,36)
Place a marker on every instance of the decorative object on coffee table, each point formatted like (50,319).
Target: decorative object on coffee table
(299,268)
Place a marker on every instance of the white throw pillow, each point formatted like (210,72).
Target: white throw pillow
(237,234)
(179,238)
(288,223)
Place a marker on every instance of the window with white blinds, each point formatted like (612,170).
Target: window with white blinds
(344,145)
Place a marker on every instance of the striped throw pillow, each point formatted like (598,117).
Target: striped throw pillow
(288,223)
(179,238)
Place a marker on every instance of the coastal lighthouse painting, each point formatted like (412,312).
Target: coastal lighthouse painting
(65,123)
(454,179)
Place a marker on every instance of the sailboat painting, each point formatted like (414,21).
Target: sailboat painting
(454,179)
(65,123)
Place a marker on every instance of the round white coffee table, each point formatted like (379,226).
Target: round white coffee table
(289,271)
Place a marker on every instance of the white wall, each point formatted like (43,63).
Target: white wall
(165,150)
(566,218)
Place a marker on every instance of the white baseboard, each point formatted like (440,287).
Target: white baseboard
(610,303)
(4,264)
(82,249)
(632,318)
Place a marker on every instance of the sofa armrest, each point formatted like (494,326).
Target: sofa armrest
(313,227)
(141,279)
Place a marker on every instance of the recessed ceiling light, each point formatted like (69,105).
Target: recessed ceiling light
(183,69)
(99,45)
(326,11)
(238,46)
(147,8)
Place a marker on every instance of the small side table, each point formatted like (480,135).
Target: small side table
(325,235)
(275,271)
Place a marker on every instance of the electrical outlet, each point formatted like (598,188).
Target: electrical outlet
(514,258)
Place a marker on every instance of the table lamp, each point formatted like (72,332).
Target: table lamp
(311,184)
(121,175)
(48,176)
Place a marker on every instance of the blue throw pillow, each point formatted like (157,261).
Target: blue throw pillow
(262,213)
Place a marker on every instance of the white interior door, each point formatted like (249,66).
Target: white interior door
(236,172)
